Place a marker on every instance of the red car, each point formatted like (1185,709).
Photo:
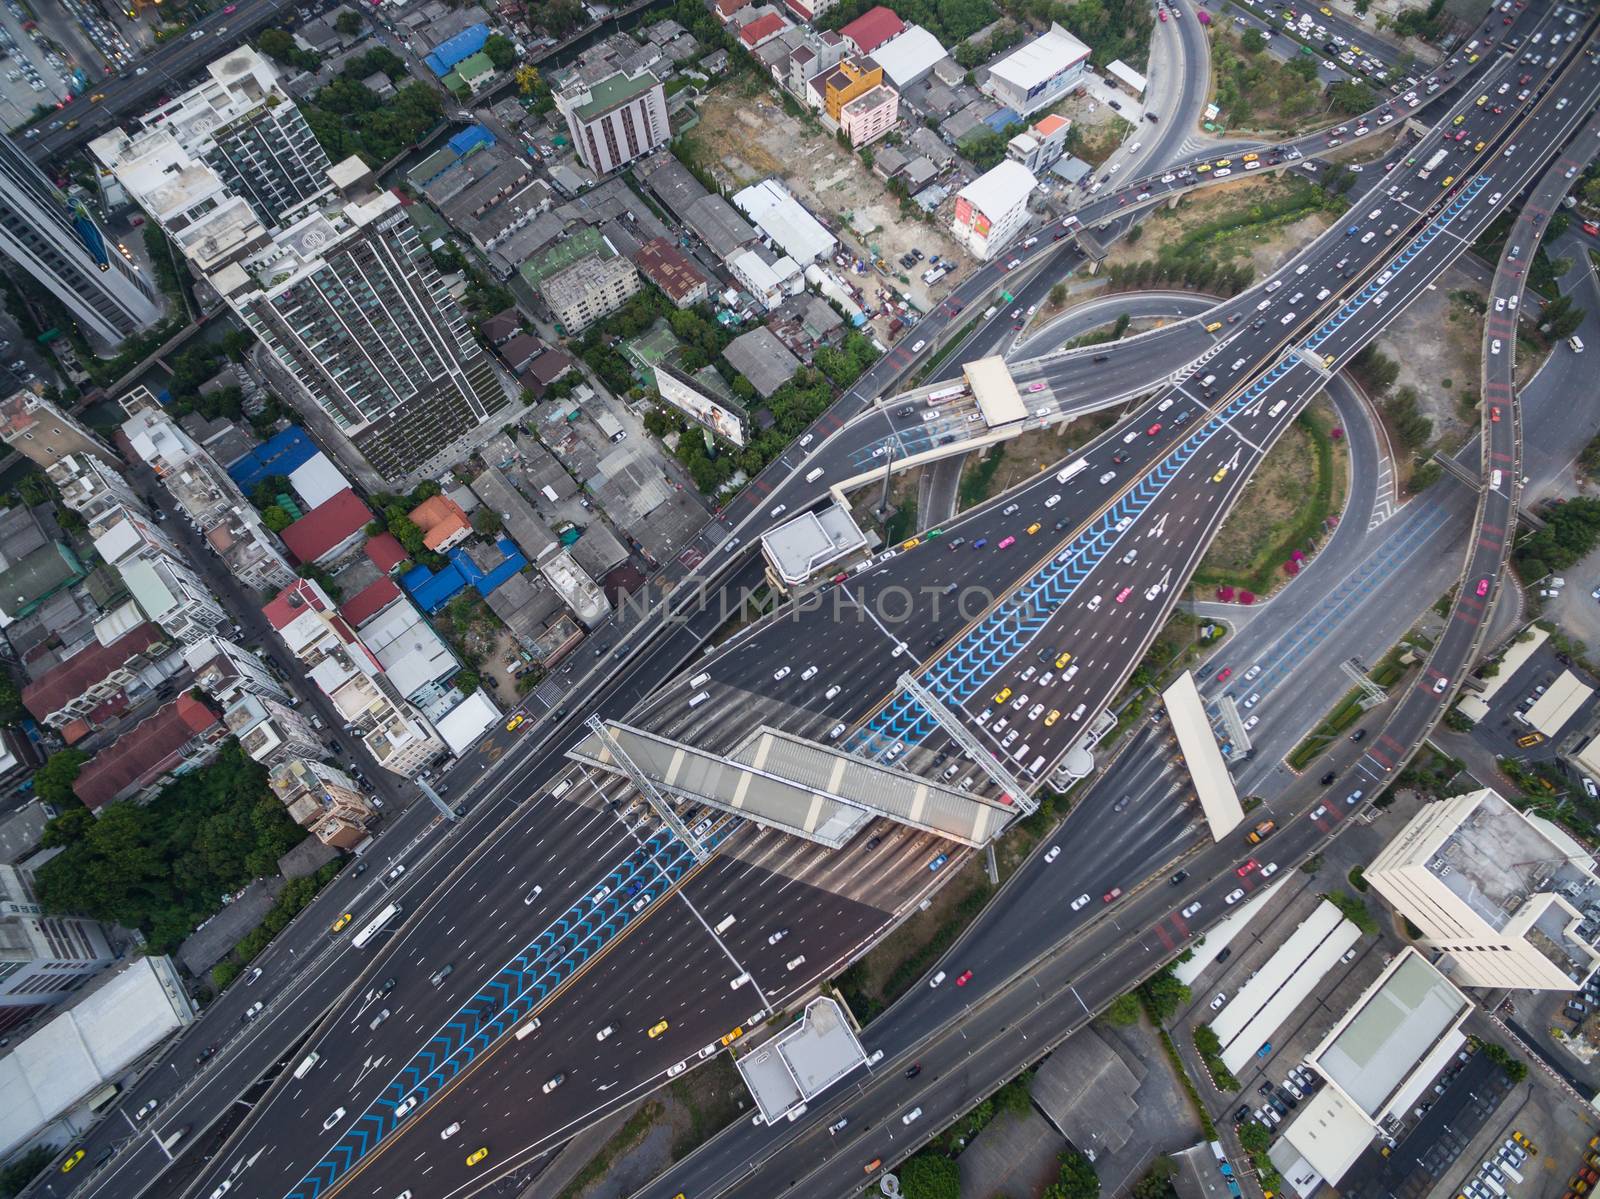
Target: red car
(841,576)
(1483,588)
(964,978)
(1153,429)
(1114,893)
(1494,414)
(1252,864)
(1224,674)
(1163,16)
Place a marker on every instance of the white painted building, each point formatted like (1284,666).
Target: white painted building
(992,209)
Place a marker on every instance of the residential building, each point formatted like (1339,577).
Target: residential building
(241,124)
(112,665)
(44,434)
(870,115)
(91,488)
(323,799)
(762,359)
(180,737)
(270,732)
(1037,74)
(1499,893)
(349,304)
(250,550)
(1042,146)
(331,532)
(872,28)
(762,30)
(228,672)
(769,278)
(910,56)
(576,589)
(589,289)
(993,208)
(55,241)
(616,119)
(849,79)
(671,270)
(175,597)
(442,521)
(43,959)
(773,209)
(398,737)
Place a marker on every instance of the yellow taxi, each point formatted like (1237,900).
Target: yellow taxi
(97,97)
(1220,475)
(912,544)
(1325,11)
(1251,157)
(1224,162)
(1003,695)
(1062,659)
(73,1159)
(1482,100)
(1202,168)
(515,723)
(1034,527)
(1459,119)
(338,925)
(733,1036)
(1447,181)
(1477,147)
(1055,715)
(658,1029)
(477,1156)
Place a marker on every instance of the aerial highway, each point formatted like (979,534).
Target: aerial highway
(1444,224)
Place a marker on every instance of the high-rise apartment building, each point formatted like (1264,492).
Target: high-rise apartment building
(323,799)
(351,307)
(1500,894)
(43,959)
(616,119)
(589,289)
(44,434)
(60,246)
(220,164)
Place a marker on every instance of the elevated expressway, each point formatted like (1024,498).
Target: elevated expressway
(754,870)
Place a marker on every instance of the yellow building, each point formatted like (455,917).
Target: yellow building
(851,78)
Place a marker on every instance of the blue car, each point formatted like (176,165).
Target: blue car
(938,861)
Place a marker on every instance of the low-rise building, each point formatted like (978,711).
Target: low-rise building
(44,434)
(170,593)
(99,671)
(591,288)
(910,56)
(992,209)
(443,523)
(576,589)
(872,28)
(671,270)
(399,738)
(1042,146)
(180,737)
(768,278)
(323,799)
(870,115)
(270,732)
(1037,74)
(800,547)
(331,532)
(762,359)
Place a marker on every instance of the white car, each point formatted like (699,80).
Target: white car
(1191,909)
(1053,853)
(777,936)
(1233,897)
(781,674)
(451,1131)
(554,1081)
(1269,870)
(1079,902)
(338,1114)
(406,1107)
(910,1116)
(1440,685)
(1494,346)
(604,1033)
(1252,700)
(809,672)
(1318,812)
(1052,501)
(1222,998)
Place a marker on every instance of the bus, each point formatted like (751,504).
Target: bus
(376,925)
(1076,468)
(1434,160)
(946,394)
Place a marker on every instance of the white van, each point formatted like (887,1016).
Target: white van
(561,789)
(699,699)
(1576,344)
(814,475)
(1208,381)
(1077,713)
(700,680)
(724,924)
(307,1064)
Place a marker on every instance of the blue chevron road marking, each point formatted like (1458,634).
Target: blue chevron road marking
(522,984)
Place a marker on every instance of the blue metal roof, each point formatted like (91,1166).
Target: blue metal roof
(464,45)
(286,452)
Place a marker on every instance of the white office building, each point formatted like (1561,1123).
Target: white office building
(1500,893)
(1037,74)
(992,209)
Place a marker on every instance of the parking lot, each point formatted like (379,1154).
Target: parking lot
(1509,695)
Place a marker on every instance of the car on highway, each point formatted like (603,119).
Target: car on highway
(777,936)
(1440,685)
(527,900)
(406,1106)
(1483,588)
(477,1156)
(963,978)
(1220,475)
(1036,386)
(1054,715)
(1224,674)
(1006,543)
(1233,897)
(779,675)
(1191,909)
(657,1029)
(146,1109)
(1247,868)
(1112,895)
(605,1032)
(73,1159)
(554,1081)
(938,861)
(338,1114)
(254,1010)
(914,1069)
(515,723)
(914,1114)
(1153,429)
(1052,853)
(1002,695)
(1494,414)
(338,925)
(1079,902)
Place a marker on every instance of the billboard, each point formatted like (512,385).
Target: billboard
(723,418)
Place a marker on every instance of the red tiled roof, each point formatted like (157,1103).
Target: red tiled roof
(386,551)
(78,673)
(75,731)
(369,601)
(441,520)
(294,599)
(800,9)
(872,28)
(326,525)
(761,29)
(669,269)
(151,748)
(726,8)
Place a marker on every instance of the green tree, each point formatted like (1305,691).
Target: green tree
(280,45)
(11,709)
(1058,294)
(501,51)
(930,1175)
(53,781)
(1254,1137)
(486,522)
(1156,1182)
(276,518)
(1078,1179)
(25,1169)
(348,23)
(1163,994)
(1122,1010)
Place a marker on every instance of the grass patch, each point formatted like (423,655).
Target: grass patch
(625,1139)
(1344,714)
(978,480)
(711,1097)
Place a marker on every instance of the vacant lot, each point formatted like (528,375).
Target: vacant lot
(746,135)
(1438,343)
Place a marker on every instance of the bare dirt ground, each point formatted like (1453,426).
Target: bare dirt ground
(1438,341)
(746,137)
(1266,249)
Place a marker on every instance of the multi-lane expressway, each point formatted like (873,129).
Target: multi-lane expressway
(1426,259)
